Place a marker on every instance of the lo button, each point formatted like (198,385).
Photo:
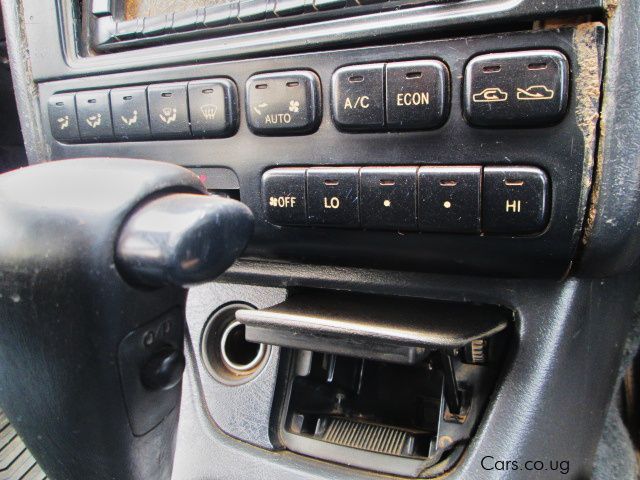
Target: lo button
(333,196)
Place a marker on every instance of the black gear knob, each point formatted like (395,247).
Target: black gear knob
(182,239)
(94,254)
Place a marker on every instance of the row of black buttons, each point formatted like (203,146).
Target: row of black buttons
(401,96)
(456,199)
(201,108)
(505,89)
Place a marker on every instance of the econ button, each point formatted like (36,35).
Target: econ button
(284,196)
(516,89)
(417,94)
(283,103)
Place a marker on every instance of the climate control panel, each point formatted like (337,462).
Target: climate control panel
(452,199)
(471,155)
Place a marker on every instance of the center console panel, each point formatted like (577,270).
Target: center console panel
(448,155)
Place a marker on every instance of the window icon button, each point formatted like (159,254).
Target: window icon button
(62,117)
(94,115)
(129,111)
(516,89)
(213,107)
(168,111)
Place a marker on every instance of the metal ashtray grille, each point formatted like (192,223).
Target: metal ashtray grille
(366,436)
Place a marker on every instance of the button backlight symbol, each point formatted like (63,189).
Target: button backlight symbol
(63,122)
(333,202)
(168,115)
(130,120)
(282,202)
(362,102)
(512,206)
(209,111)
(535,92)
(491,94)
(258,108)
(94,121)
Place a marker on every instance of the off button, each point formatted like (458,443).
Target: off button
(284,196)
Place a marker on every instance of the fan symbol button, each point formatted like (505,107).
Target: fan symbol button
(294,106)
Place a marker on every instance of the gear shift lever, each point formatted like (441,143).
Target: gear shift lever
(94,255)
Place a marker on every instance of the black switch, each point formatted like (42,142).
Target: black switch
(62,117)
(388,197)
(332,196)
(449,199)
(357,97)
(514,200)
(527,88)
(284,195)
(213,107)
(283,103)
(129,112)
(417,94)
(163,371)
(94,115)
(168,113)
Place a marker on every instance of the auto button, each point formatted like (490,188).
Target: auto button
(283,103)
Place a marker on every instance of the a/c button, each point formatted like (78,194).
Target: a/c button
(357,97)
(284,196)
